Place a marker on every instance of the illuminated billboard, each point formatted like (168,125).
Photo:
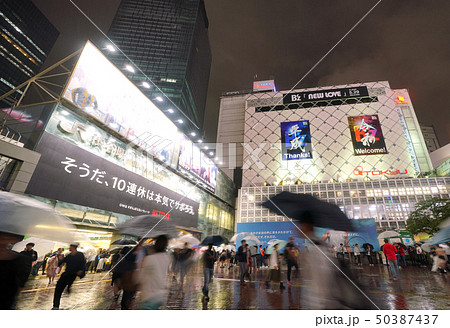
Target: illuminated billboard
(367,136)
(195,163)
(268,85)
(101,90)
(295,140)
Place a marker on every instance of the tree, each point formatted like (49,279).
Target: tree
(428,215)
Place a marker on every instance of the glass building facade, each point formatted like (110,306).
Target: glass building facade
(26,38)
(168,42)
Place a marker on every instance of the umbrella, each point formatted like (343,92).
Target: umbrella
(252,238)
(176,243)
(251,242)
(281,244)
(366,245)
(41,246)
(189,239)
(441,237)
(236,236)
(323,214)
(148,226)
(426,246)
(230,247)
(124,241)
(216,240)
(388,234)
(29,217)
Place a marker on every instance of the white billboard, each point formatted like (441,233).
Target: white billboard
(100,89)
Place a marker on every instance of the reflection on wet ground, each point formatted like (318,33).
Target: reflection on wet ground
(417,289)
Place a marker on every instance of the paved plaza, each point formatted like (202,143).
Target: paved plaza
(417,289)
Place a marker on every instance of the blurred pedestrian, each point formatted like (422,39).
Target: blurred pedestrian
(152,276)
(390,251)
(357,252)
(44,263)
(420,256)
(75,265)
(185,259)
(32,254)
(290,255)
(369,254)
(14,270)
(223,258)
(123,275)
(412,255)
(261,256)
(242,257)
(401,256)
(274,273)
(442,260)
(52,266)
(340,254)
(175,267)
(208,259)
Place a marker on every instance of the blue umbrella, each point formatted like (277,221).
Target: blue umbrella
(441,237)
(216,240)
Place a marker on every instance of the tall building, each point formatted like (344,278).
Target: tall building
(431,140)
(168,40)
(358,146)
(27,37)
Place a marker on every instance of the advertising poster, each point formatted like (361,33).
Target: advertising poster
(325,95)
(193,161)
(367,136)
(365,232)
(266,231)
(295,140)
(70,174)
(101,90)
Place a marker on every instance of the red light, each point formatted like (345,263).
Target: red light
(401,99)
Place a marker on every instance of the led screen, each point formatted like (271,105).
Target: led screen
(295,140)
(367,136)
(100,89)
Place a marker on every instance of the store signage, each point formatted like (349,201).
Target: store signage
(268,85)
(267,231)
(295,140)
(367,136)
(194,163)
(68,173)
(360,171)
(101,90)
(320,95)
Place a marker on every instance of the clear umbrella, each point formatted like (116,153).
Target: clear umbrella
(252,238)
(270,246)
(29,217)
(41,246)
(388,234)
(189,239)
(236,236)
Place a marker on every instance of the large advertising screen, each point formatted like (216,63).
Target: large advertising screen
(194,162)
(70,174)
(367,136)
(295,140)
(320,95)
(101,90)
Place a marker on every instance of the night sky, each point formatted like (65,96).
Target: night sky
(403,42)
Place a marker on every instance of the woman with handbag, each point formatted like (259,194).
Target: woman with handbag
(274,268)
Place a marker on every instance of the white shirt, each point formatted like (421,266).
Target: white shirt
(153,277)
(357,251)
(273,260)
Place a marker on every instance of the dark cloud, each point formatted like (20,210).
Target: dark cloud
(404,42)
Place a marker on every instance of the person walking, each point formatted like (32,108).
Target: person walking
(152,276)
(401,256)
(357,252)
(420,255)
(242,257)
(412,255)
(14,269)
(261,256)
(390,251)
(32,254)
(290,254)
(75,267)
(208,259)
(442,260)
(123,275)
(185,262)
(44,263)
(52,266)
(274,273)
(340,254)
(369,253)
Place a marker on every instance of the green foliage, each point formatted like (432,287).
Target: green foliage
(428,215)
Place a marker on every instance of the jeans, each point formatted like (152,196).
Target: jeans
(65,280)
(402,261)
(370,258)
(358,259)
(243,266)
(150,305)
(291,264)
(394,267)
(35,269)
(207,274)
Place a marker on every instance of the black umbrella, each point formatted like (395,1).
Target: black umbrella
(323,214)
(124,241)
(216,240)
(366,245)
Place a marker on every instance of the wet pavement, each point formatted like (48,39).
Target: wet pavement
(416,289)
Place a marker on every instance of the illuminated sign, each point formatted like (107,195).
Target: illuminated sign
(360,171)
(194,163)
(367,136)
(295,140)
(268,85)
(101,90)
(320,95)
